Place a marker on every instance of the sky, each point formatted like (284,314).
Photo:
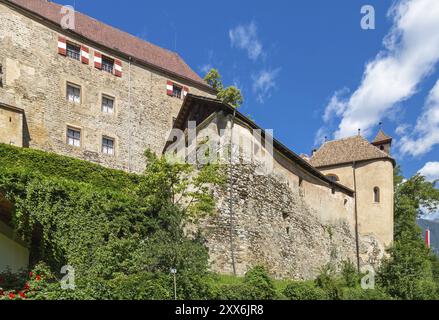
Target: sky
(307,68)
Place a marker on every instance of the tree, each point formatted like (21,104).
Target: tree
(213,78)
(409,271)
(230,95)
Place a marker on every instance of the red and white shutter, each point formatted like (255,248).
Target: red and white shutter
(85,55)
(118,68)
(98,60)
(62,46)
(185,92)
(170,88)
(427,238)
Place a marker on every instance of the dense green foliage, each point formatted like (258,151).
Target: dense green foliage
(113,238)
(411,271)
(230,95)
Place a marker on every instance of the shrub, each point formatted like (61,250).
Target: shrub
(236,291)
(361,294)
(304,291)
(260,283)
(328,281)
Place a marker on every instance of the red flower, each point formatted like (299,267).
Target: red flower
(38,278)
(31,274)
(11,295)
(2,293)
(26,286)
(22,295)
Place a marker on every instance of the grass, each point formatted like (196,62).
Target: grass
(222,279)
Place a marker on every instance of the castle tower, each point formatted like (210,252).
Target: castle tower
(382,141)
(367,168)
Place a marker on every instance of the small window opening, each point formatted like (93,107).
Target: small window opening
(376,195)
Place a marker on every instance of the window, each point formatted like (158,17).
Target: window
(74,137)
(107,145)
(73,93)
(73,51)
(176,91)
(332,177)
(107,64)
(107,104)
(376,195)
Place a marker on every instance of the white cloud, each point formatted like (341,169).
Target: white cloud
(411,50)
(246,37)
(402,129)
(430,171)
(264,83)
(337,105)
(426,132)
(429,215)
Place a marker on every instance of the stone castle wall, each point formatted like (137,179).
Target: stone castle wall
(286,220)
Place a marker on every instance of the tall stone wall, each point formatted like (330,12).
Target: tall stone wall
(286,220)
(272,225)
(35,77)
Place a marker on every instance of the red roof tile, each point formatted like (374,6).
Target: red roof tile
(116,39)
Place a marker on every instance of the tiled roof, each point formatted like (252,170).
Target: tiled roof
(115,39)
(381,136)
(345,151)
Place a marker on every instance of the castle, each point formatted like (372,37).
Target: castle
(101,95)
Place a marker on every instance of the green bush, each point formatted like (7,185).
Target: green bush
(236,291)
(112,236)
(256,285)
(260,283)
(304,291)
(327,280)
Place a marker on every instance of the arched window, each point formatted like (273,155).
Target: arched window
(376,195)
(332,177)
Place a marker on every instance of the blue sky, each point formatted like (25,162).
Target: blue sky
(296,61)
